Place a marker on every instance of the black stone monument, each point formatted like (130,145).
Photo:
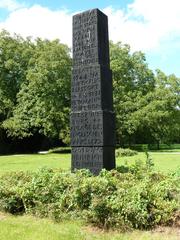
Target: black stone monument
(92,116)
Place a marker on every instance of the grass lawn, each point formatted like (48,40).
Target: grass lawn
(28,228)
(164,161)
(31,162)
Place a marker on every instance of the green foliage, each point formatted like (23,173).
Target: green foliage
(139,167)
(14,58)
(10,200)
(162,147)
(44,93)
(137,199)
(132,79)
(35,92)
(158,111)
(149,161)
(34,87)
(146,104)
(125,152)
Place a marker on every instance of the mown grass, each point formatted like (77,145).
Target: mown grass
(31,162)
(164,161)
(28,228)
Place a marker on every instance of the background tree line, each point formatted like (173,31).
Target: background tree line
(35,81)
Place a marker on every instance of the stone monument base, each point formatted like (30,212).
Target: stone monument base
(93,158)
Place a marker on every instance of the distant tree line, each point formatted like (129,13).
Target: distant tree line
(35,81)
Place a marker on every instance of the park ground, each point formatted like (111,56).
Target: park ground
(28,227)
(163,161)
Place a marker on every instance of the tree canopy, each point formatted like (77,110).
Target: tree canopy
(35,92)
(146,103)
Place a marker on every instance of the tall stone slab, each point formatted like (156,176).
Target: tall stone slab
(92,117)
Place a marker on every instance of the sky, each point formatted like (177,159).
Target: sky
(150,26)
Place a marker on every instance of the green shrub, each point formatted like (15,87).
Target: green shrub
(125,152)
(135,203)
(10,200)
(138,199)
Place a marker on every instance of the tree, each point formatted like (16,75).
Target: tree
(43,100)
(162,113)
(14,58)
(132,80)
(35,92)
(146,104)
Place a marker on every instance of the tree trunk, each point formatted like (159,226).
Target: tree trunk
(158,145)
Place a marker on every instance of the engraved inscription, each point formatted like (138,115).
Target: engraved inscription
(93,158)
(89,157)
(85,19)
(85,42)
(87,129)
(92,119)
(86,89)
(92,128)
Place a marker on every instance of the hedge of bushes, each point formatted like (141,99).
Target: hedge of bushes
(139,198)
(125,152)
